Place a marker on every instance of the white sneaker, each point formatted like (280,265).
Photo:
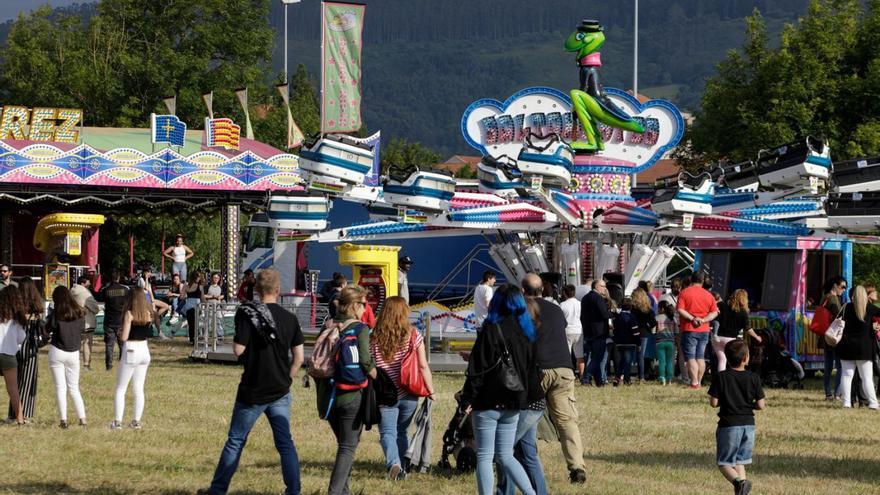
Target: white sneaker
(173,321)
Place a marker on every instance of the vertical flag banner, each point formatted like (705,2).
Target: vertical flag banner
(372,178)
(222,132)
(167,129)
(342,28)
(208,98)
(243,99)
(171,104)
(294,134)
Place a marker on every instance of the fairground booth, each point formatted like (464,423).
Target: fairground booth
(53,171)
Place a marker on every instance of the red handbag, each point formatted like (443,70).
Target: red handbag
(411,379)
(822,319)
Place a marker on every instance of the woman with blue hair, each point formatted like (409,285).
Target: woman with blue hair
(507,336)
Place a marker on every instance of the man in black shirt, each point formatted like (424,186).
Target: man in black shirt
(595,317)
(554,359)
(114,297)
(266,336)
(738,393)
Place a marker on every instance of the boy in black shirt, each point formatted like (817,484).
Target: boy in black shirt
(738,393)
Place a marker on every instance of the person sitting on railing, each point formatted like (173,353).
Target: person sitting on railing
(215,293)
(177,298)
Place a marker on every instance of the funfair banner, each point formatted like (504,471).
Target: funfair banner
(342,26)
(498,128)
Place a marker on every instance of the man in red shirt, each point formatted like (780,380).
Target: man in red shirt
(696,308)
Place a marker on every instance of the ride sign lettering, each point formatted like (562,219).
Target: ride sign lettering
(40,124)
(501,129)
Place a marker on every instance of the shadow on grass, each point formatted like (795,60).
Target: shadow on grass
(817,438)
(360,467)
(52,487)
(850,469)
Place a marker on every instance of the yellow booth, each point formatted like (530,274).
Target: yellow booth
(373,268)
(61,233)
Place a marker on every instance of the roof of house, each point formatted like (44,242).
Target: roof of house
(663,168)
(462,160)
(457,162)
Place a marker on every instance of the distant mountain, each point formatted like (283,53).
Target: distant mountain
(426,60)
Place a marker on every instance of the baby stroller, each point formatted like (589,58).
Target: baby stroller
(770,360)
(458,443)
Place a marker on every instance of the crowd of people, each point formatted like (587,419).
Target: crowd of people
(531,351)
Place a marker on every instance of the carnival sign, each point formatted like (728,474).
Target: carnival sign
(40,124)
(499,128)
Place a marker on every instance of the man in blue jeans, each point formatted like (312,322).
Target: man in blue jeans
(265,336)
(594,321)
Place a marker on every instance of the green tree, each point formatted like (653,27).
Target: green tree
(132,54)
(404,154)
(466,172)
(820,81)
(201,231)
(304,101)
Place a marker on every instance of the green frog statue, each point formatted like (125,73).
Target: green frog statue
(590,103)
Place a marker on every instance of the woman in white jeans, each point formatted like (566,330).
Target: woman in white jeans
(856,347)
(66,324)
(135,360)
(733,323)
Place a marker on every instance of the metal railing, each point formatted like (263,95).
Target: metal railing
(36,272)
(215,322)
(464,263)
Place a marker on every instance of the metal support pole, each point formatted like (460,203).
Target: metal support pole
(230,246)
(6,238)
(286,74)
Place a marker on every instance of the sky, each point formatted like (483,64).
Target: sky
(9,9)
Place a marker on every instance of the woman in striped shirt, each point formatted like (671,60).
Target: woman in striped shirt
(391,340)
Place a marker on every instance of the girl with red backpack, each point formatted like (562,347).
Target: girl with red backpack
(340,395)
(399,350)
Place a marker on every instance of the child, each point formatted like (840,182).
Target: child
(666,333)
(626,341)
(738,393)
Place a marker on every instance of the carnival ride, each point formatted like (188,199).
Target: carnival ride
(565,203)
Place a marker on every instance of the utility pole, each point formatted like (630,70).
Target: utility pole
(286,3)
(636,49)
(634,181)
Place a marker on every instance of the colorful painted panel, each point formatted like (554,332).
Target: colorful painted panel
(128,167)
(793,326)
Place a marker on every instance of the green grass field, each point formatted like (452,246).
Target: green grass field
(642,439)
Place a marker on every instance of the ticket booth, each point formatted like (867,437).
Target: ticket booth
(373,268)
(59,235)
